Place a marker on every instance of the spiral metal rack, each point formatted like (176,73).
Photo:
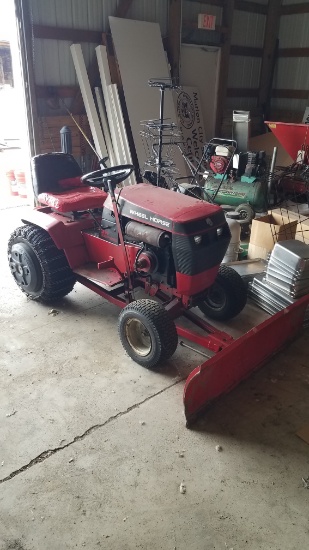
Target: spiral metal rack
(160,137)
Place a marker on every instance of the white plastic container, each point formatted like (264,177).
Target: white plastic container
(233,248)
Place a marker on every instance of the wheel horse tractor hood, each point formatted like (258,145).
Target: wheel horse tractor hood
(173,212)
(199,232)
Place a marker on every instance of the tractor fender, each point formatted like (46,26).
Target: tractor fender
(64,233)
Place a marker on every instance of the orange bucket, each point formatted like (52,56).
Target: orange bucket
(21,184)
(10,174)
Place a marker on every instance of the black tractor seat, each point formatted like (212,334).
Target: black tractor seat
(57,182)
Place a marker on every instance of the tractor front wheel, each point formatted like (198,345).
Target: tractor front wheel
(226,298)
(39,268)
(147,333)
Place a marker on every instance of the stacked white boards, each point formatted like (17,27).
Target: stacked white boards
(110,138)
(141,57)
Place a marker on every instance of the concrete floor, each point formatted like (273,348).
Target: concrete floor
(94,447)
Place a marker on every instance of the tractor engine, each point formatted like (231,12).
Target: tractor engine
(180,241)
(220,158)
(248,164)
(154,258)
(236,179)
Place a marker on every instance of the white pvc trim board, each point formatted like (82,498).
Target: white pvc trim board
(83,80)
(125,149)
(106,81)
(104,122)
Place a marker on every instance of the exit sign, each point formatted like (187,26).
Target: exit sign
(206,21)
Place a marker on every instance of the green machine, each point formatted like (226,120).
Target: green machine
(235,179)
(247,195)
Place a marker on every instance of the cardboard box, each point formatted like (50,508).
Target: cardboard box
(268,230)
(302,228)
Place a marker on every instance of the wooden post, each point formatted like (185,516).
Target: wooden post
(227,22)
(269,51)
(123,8)
(174,35)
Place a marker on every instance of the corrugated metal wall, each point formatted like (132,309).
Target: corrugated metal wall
(155,11)
(53,64)
(248,30)
(292,73)
(244,71)
(52,59)
(289,2)
(190,12)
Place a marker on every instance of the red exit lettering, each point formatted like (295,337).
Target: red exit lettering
(207,21)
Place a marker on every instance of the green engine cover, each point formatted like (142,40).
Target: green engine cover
(237,192)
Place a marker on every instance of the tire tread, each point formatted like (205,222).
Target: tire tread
(237,291)
(163,324)
(58,278)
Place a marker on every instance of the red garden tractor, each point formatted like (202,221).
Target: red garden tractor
(115,240)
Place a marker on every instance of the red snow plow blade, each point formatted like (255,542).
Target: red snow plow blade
(234,363)
(293,137)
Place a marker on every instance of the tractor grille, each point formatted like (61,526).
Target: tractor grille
(191,258)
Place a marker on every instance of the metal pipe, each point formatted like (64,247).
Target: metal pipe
(272,169)
(181,343)
(128,291)
(66,140)
(162,91)
(147,234)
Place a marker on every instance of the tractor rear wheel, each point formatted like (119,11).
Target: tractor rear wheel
(147,333)
(227,297)
(39,268)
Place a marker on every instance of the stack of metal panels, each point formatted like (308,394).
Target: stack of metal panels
(286,278)
(288,268)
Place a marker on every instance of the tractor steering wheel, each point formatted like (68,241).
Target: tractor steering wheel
(116,174)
